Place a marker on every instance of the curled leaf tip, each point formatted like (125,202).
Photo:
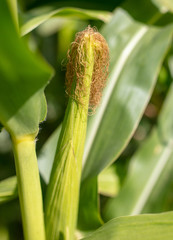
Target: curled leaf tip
(78,59)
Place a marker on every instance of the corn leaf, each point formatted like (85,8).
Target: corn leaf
(23,79)
(148,167)
(146,227)
(73,13)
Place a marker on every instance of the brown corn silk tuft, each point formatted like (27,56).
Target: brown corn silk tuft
(77,61)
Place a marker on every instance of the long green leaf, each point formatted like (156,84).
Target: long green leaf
(160,198)
(145,227)
(23,79)
(74,13)
(147,166)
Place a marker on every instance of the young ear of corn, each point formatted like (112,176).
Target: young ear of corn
(86,58)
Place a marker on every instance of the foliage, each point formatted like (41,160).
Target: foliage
(132,125)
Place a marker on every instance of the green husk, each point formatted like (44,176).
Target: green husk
(61,205)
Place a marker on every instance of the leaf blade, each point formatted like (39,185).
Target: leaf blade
(147,165)
(147,227)
(65,13)
(24,76)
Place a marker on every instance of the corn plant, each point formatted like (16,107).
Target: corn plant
(113,74)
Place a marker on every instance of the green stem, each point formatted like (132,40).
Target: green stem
(63,189)
(29,188)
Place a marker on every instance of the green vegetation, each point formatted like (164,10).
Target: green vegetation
(106,171)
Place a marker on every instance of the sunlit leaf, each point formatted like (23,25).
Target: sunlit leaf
(146,227)
(147,167)
(74,13)
(160,198)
